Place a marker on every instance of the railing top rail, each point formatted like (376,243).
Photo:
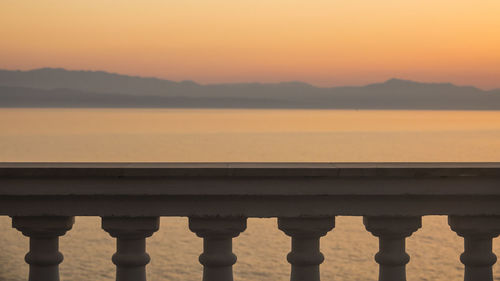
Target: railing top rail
(250,169)
(249,189)
(251,164)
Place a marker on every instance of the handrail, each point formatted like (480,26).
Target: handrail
(43,199)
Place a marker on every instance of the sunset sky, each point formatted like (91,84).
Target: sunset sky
(325,42)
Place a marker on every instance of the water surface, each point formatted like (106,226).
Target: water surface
(245,135)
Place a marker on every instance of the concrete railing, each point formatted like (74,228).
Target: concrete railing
(43,198)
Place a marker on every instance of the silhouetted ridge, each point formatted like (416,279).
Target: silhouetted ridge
(400,82)
(49,87)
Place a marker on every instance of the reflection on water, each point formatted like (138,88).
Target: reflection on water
(261,252)
(245,135)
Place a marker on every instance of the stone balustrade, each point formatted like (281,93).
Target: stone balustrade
(44,198)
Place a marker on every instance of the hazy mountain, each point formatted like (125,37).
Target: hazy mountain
(50,87)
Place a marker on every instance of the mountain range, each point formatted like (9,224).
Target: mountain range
(55,87)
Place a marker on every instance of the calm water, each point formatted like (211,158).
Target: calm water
(245,135)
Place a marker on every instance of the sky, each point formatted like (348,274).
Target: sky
(322,42)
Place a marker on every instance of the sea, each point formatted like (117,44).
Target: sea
(245,135)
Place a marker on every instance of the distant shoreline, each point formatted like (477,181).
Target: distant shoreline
(247,108)
(59,88)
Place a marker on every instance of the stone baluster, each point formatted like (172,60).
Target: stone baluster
(478,233)
(392,232)
(130,233)
(305,256)
(44,256)
(217,233)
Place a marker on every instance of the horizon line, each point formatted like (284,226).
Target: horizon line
(248,82)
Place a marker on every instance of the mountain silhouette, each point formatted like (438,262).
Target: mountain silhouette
(55,87)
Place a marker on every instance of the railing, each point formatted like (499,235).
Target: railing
(43,198)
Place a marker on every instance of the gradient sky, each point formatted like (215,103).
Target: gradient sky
(323,42)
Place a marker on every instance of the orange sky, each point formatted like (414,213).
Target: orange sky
(323,42)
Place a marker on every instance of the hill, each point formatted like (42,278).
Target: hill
(49,87)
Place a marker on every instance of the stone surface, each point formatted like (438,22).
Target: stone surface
(130,233)
(478,233)
(249,189)
(305,256)
(217,233)
(44,256)
(392,232)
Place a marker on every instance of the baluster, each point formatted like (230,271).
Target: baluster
(478,233)
(305,256)
(130,233)
(392,232)
(217,233)
(44,256)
